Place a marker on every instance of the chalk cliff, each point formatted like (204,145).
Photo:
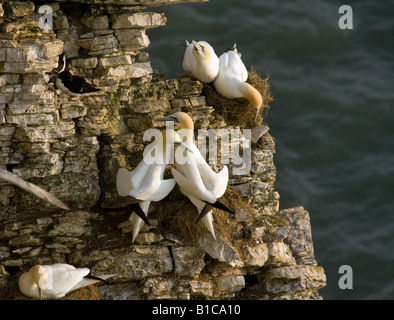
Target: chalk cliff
(74,146)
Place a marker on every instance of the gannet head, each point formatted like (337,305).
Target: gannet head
(170,137)
(234,49)
(40,277)
(201,50)
(181,119)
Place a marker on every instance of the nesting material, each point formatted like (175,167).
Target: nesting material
(179,217)
(238,112)
(85,293)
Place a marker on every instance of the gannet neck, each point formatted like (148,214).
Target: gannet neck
(165,141)
(187,128)
(201,51)
(39,275)
(137,221)
(185,121)
(252,95)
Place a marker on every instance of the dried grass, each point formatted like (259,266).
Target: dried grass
(85,293)
(177,215)
(238,112)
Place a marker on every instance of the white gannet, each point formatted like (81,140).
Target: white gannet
(55,281)
(230,81)
(30,187)
(200,61)
(145,183)
(74,85)
(195,178)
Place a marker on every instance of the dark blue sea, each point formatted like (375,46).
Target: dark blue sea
(332,117)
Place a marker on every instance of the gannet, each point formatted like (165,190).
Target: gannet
(195,178)
(55,281)
(200,61)
(145,183)
(74,85)
(230,81)
(30,187)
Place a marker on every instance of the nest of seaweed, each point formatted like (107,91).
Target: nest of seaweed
(238,112)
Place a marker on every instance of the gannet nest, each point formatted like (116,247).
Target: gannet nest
(177,215)
(238,112)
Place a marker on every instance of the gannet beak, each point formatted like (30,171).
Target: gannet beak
(40,292)
(168,118)
(183,145)
(198,46)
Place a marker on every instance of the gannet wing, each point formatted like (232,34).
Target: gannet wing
(30,187)
(123,182)
(189,62)
(164,189)
(129,180)
(137,224)
(214,182)
(64,279)
(137,208)
(207,221)
(236,66)
(207,175)
(221,182)
(75,280)
(156,191)
(136,220)
(153,187)
(59,267)
(205,214)
(196,190)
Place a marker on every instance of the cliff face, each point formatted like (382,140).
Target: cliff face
(74,146)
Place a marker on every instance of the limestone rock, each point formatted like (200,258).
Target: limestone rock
(228,284)
(300,235)
(73,147)
(286,282)
(183,256)
(255,256)
(220,250)
(138,20)
(144,261)
(18,8)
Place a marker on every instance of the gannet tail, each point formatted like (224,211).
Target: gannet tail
(220,206)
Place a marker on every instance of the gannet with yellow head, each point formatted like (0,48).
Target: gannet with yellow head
(55,281)
(196,179)
(230,81)
(200,61)
(146,182)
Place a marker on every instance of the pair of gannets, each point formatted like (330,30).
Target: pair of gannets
(227,73)
(146,182)
(55,281)
(195,178)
